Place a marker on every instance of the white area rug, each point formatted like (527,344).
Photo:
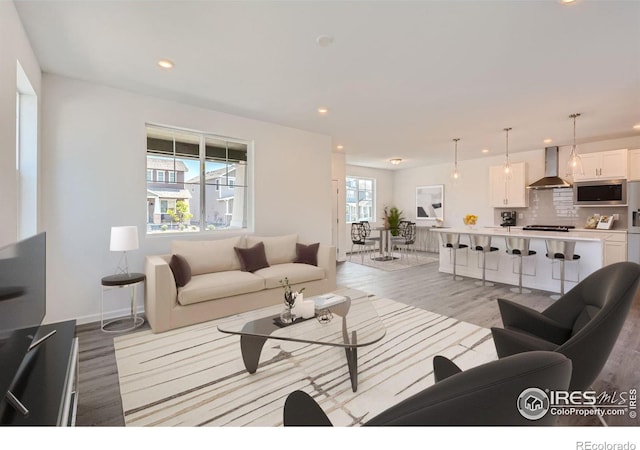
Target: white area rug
(194,376)
(396,264)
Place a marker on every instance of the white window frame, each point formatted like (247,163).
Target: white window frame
(248,225)
(175,178)
(358,217)
(160,176)
(150,174)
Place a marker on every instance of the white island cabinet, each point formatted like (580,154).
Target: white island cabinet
(539,272)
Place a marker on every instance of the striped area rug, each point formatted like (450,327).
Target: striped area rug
(194,376)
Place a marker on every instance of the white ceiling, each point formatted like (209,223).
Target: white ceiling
(402,79)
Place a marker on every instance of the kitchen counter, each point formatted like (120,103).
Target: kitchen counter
(573,235)
(595,230)
(539,272)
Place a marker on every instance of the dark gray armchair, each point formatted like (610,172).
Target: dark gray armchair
(484,395)
(583,325)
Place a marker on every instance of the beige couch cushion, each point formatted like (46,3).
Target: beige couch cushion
(296,272)
(211,286)
(209,256)
(279,249)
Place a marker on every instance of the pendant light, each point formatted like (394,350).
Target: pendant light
(455,175)
(574,166)
(506,167)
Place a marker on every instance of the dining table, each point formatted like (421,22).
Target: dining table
(385,240)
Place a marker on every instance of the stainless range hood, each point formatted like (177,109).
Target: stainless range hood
(551,179)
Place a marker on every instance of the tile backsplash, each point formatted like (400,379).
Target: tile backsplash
(555,207)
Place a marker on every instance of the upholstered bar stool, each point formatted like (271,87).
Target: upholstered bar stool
(562,251)
(482,243)
(452,242)
(519,247)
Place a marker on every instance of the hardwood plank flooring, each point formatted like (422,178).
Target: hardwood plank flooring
(421,286)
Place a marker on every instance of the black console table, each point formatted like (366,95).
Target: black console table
(49,387)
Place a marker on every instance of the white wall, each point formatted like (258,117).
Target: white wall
(469,195)
(93,144)
(14,46)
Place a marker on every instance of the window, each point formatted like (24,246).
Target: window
(166,205)
(360,194)
(26,155)
(149,175)
(207,181)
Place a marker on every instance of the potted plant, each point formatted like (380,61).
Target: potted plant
(393,217)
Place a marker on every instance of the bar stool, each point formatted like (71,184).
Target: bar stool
(518,246)
(562,250)
(482,243)
(452,242)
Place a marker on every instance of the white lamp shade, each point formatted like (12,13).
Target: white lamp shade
(124,239)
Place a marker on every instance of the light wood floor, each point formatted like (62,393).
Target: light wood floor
(421,286)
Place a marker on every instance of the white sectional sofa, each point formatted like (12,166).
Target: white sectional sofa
(218,287)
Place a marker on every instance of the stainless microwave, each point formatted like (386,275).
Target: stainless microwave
(600,192)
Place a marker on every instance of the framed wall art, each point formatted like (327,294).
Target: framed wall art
(430,202)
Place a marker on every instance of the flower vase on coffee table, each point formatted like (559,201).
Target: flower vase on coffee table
(288,316)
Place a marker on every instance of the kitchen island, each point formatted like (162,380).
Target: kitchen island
(539,272)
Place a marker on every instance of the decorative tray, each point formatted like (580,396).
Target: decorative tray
(278,322)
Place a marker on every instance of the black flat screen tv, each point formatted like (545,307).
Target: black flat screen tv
(22,303)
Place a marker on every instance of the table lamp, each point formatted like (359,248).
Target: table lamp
(124,239)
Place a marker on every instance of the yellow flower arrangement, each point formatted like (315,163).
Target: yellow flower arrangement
(470,219)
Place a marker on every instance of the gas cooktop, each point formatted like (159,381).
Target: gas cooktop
(564,228)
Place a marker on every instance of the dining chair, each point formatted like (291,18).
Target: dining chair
(359,241)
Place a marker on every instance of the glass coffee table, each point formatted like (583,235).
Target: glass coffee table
(355,323)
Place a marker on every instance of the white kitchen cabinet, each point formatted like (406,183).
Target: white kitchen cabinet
(634,165)
(512,193)
(603,165)
(615,248)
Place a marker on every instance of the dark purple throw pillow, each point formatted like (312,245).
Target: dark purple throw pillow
(252,259)
(307,254)
(181,270)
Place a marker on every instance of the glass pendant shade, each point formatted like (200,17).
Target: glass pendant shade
(455,175)
(574,165)
(506,167)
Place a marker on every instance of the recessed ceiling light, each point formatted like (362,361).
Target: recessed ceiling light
(340,147)
(165,64)
(636,126)
(395,161)
(324,40)
(548,141)
(567,2)
(323,110)
(485,150)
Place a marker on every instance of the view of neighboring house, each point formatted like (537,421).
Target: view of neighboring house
(220,194)
(165,187)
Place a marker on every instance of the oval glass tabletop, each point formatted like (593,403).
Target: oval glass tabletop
(354,323)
